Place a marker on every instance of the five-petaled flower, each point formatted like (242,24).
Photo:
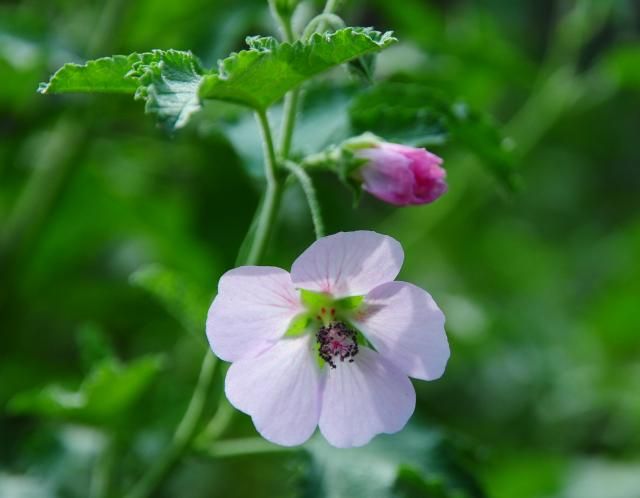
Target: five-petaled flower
(330,344)
(401,175)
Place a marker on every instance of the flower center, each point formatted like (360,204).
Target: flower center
(336,341)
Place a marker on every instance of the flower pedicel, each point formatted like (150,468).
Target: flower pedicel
(330,344)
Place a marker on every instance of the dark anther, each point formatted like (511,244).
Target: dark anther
(337,341)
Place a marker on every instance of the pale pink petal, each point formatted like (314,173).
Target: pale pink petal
(348,263)
(253,309)
(387,175)
(364,398)
(406,326)
(280,389)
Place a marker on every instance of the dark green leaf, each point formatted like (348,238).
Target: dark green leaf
(386,465)
(186,302)
(93,344)
(262,75)
(622,64)
(107,392)
(419,115)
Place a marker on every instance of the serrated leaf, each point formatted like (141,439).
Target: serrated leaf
(262,75)
(167,80)
(105,75)
(168,83)
(417,114)
(374,471)
(186,302)
(108,391)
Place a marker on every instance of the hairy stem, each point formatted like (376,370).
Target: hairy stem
(269,207)
(284,22)
(290,100)
(183,435)
(288,122)
(320,23)
(217,425)
(310,193)
(330,6)
(189,425)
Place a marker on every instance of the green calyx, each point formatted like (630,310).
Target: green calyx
(322,309)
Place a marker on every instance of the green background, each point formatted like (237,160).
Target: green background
(541,287)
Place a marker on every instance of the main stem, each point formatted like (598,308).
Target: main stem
(290,100)
(288,122)
(183,436)
(330,6)
(269,206)
(190,423)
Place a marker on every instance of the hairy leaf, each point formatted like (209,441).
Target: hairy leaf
(168,83)
(172,83)
(167,80)
(262,75)
(105,75)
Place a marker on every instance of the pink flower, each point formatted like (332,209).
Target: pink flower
(330,344)
(402,175)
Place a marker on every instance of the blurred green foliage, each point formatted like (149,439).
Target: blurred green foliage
(540,287)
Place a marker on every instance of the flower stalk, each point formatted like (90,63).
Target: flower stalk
(310,193)
(183,436)
(190,424)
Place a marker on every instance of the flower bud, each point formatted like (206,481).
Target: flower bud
(284,8)
(401,175)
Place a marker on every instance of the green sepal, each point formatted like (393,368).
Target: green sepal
(298,325)
(315,300)
(350,303)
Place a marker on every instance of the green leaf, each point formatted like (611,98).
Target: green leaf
(417,114)
(172,82)
(262,75)
(93,344)
(105,75)
(622,65)
(107,392)
(390,466)
(167,80)
(168,83)
(185,301)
